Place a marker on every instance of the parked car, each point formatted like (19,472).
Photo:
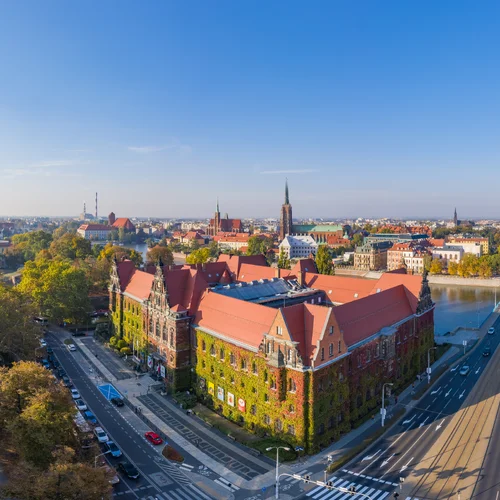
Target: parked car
(71,347)
(60,372)
(486,351)
(101,435)
(129,470)
(115,479)
(46,364)
(43,343)
(491,331)
(50,350)
(113,449)
(90,417)
(117,401)
(80,404)
(464,370)
(75,394)
(153,438)
(67,381)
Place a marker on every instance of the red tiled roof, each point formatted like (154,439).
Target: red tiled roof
(140,284)
(304,266)
(234,262)
(362,318)
(250,272)
(339,289)
(95,227)
(412,283)
(436,242)
(123,222)
(125,270)
(242,321)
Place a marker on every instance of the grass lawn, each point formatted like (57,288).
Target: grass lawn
(264,443)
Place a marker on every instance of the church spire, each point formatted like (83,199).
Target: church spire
(217,204)
(287,200)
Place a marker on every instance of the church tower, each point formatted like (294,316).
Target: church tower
(286,215)
(455,217)
(217,219)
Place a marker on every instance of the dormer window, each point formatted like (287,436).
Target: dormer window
(331,330)
(279,330)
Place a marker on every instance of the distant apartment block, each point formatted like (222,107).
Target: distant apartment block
(469,245)
(371,256)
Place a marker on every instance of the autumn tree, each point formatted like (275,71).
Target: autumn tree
(18,333)
(64,479)
(57,288)
(26,246)
(214,249)
(109,252)
(452,268)
(36,413)
(258,245)
(436,266)
(283,260)
(200,256)
(324,262)
(160,253)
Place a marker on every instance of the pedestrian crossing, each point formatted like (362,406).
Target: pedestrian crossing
(302,473)
(323,493)
(226,484)
(190,492)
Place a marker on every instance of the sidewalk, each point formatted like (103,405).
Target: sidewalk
(135,389)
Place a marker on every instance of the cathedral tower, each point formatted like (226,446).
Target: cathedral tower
(286,215)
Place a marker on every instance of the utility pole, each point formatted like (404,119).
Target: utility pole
(429,364)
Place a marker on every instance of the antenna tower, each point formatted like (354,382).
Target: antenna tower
(96,206)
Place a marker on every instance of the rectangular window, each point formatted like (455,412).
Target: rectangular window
(331,330)
(291,430)
(279,330)
(322,353)
(340,346)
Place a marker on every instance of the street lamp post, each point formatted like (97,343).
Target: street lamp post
(383,410)
(429,364)
(277,448)
(97,456)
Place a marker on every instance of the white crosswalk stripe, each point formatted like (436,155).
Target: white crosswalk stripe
(226,484)
(179,494)
(301,473)
(323,493)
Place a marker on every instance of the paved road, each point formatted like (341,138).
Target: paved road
(159,479)
(378,470)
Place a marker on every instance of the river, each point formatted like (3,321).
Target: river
(461,306)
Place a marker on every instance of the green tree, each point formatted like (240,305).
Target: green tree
(484,268)
(214,249)
(194,244)
(57,288)
(357,240)
(324,262)
(27,245)
(18,333)
(283,260)
(199,256)
(71,246)
(258,245)
(469,265)
(436,266)
(427,262)
(163,253)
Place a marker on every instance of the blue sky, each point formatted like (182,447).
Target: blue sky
(369,108)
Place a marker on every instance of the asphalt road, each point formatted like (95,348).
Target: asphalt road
(378,470)
(159,479)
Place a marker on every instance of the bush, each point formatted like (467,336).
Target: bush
(126,350)
(172,454)
(113,341)
(263,444)
(188,401)
(121,343)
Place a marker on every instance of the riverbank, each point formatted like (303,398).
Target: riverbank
(433,279)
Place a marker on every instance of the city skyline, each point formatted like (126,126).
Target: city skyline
(369,111)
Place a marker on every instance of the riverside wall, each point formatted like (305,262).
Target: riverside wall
(433,279)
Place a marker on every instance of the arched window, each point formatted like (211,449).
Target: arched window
(157,329)
(212,350)
(203,346)
(254,368)
(221,354)
(165,334)
(278,425)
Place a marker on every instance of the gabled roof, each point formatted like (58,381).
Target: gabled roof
(362,318)
(304,266)
(140,284)
(234,262)
(123,222)
(95,227)
(235,319)
(125,270)
(339,289)
(412,284)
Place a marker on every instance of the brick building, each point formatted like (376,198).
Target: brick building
(223,224)
(293,353)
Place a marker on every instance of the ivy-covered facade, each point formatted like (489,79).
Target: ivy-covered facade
(302,368)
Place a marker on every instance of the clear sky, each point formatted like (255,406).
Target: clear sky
(370,108)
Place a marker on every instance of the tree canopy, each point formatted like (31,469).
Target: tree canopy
(324,260)
(283,260)
(70,246)
(57,288)
(113,251)
(200,256)
(160,252)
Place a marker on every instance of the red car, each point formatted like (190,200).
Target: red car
(152,437)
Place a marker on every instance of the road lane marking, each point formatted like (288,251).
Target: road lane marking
(369,457)
(423,423)
(386,461)
(406,466)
